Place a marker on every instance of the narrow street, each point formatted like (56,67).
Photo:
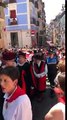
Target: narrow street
(32,59)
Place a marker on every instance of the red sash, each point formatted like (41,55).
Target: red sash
(41,69)
(39,83)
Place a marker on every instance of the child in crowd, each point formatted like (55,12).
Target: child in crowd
(17,105)
(61,69)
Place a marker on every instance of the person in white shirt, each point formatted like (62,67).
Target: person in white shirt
(17,105)
(57,112)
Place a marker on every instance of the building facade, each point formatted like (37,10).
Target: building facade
(62,29)
(2,26)
(42,23)
(21,18)
(57,29)
(59,26)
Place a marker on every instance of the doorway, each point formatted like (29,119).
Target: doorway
(14,39)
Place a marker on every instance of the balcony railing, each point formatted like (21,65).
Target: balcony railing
(12,21)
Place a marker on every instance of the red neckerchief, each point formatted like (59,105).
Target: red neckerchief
(16,94)
(62,99)
(59,92)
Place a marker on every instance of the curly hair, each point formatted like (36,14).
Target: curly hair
(61,79)
(61,65)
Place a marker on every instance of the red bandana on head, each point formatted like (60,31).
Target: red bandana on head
(16,94)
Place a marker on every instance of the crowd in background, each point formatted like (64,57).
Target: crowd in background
(34,68)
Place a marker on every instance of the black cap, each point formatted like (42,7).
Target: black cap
(38,56)
(22,54)
(51,51)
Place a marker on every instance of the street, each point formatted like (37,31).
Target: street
(41,108)
(32,45)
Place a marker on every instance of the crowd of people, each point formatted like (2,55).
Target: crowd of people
(23,77)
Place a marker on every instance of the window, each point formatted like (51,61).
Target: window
(13,18)
(12,13)
(37,23)
(33,21)
(14,39)
(39,14)
(36,4)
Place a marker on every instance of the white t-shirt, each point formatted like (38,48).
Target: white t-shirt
(59,106)
(18,109)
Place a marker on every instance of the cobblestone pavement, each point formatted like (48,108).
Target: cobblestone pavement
(41,108)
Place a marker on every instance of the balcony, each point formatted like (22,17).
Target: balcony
(39,14)
(43,4)
(37,23)
(36,4)
(33,21)
(41,32)
(43,24)
(12,21)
